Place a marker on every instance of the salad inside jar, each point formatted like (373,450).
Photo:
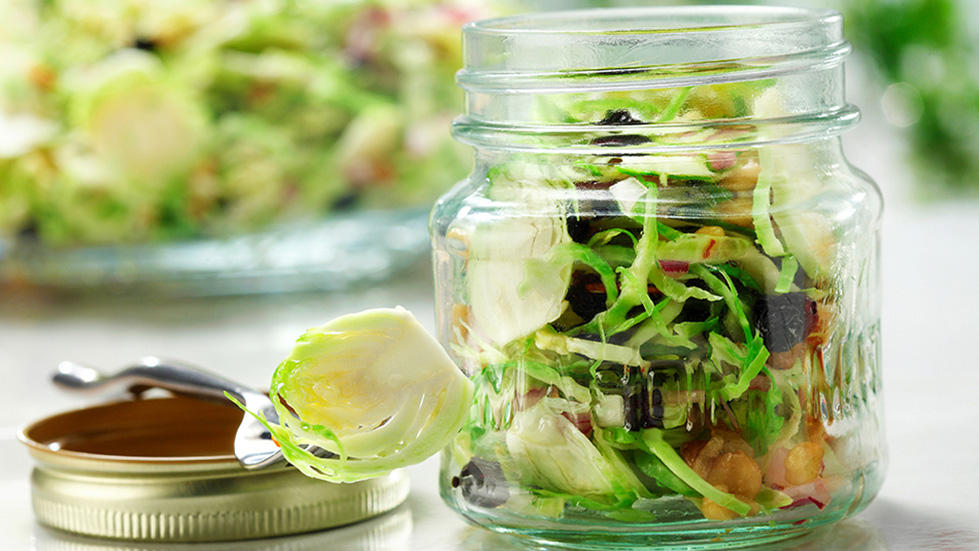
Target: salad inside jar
(650,332)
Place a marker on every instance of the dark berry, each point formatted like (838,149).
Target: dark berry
(619,117)
(29,231)
(621,140)
(801,279)
(482,483)
(784,320)
(345,201)
(586,295)
(579,228)
(145,44)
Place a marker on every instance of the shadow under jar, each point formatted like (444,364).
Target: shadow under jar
(662,277)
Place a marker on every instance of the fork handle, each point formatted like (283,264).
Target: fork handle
(153,372)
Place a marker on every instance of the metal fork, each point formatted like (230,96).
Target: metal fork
(253,447)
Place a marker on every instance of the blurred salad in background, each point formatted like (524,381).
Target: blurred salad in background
(136,121)
(141,121)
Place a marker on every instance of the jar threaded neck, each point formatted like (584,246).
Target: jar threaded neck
(527,77)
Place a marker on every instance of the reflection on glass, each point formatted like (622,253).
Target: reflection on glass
(849,535)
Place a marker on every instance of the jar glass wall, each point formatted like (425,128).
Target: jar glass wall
(662,276)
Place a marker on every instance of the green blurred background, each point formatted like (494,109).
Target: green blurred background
(277,110)
(925,55)
(920,63)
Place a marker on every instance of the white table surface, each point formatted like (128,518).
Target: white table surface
(930,500)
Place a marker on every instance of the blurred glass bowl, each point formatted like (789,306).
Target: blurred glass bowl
(331,254)
(224,146)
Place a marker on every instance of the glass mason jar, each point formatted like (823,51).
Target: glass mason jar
(662,277)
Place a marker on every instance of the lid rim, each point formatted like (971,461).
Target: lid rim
(188,519)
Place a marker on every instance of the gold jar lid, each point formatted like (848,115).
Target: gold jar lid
(163,470)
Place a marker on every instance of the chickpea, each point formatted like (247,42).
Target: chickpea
(737,471)
(461,319)
(700,454)
(821,245)
(787,359)
(733,442)
(690,450)
(713,231)
(742,177)
(824,317)
(803,463)
(816,430)
(722,160)
(462,241)
(712,511)
(738,210)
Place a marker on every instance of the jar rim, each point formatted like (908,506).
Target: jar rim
(785,62)
(761,16)
(647,47)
